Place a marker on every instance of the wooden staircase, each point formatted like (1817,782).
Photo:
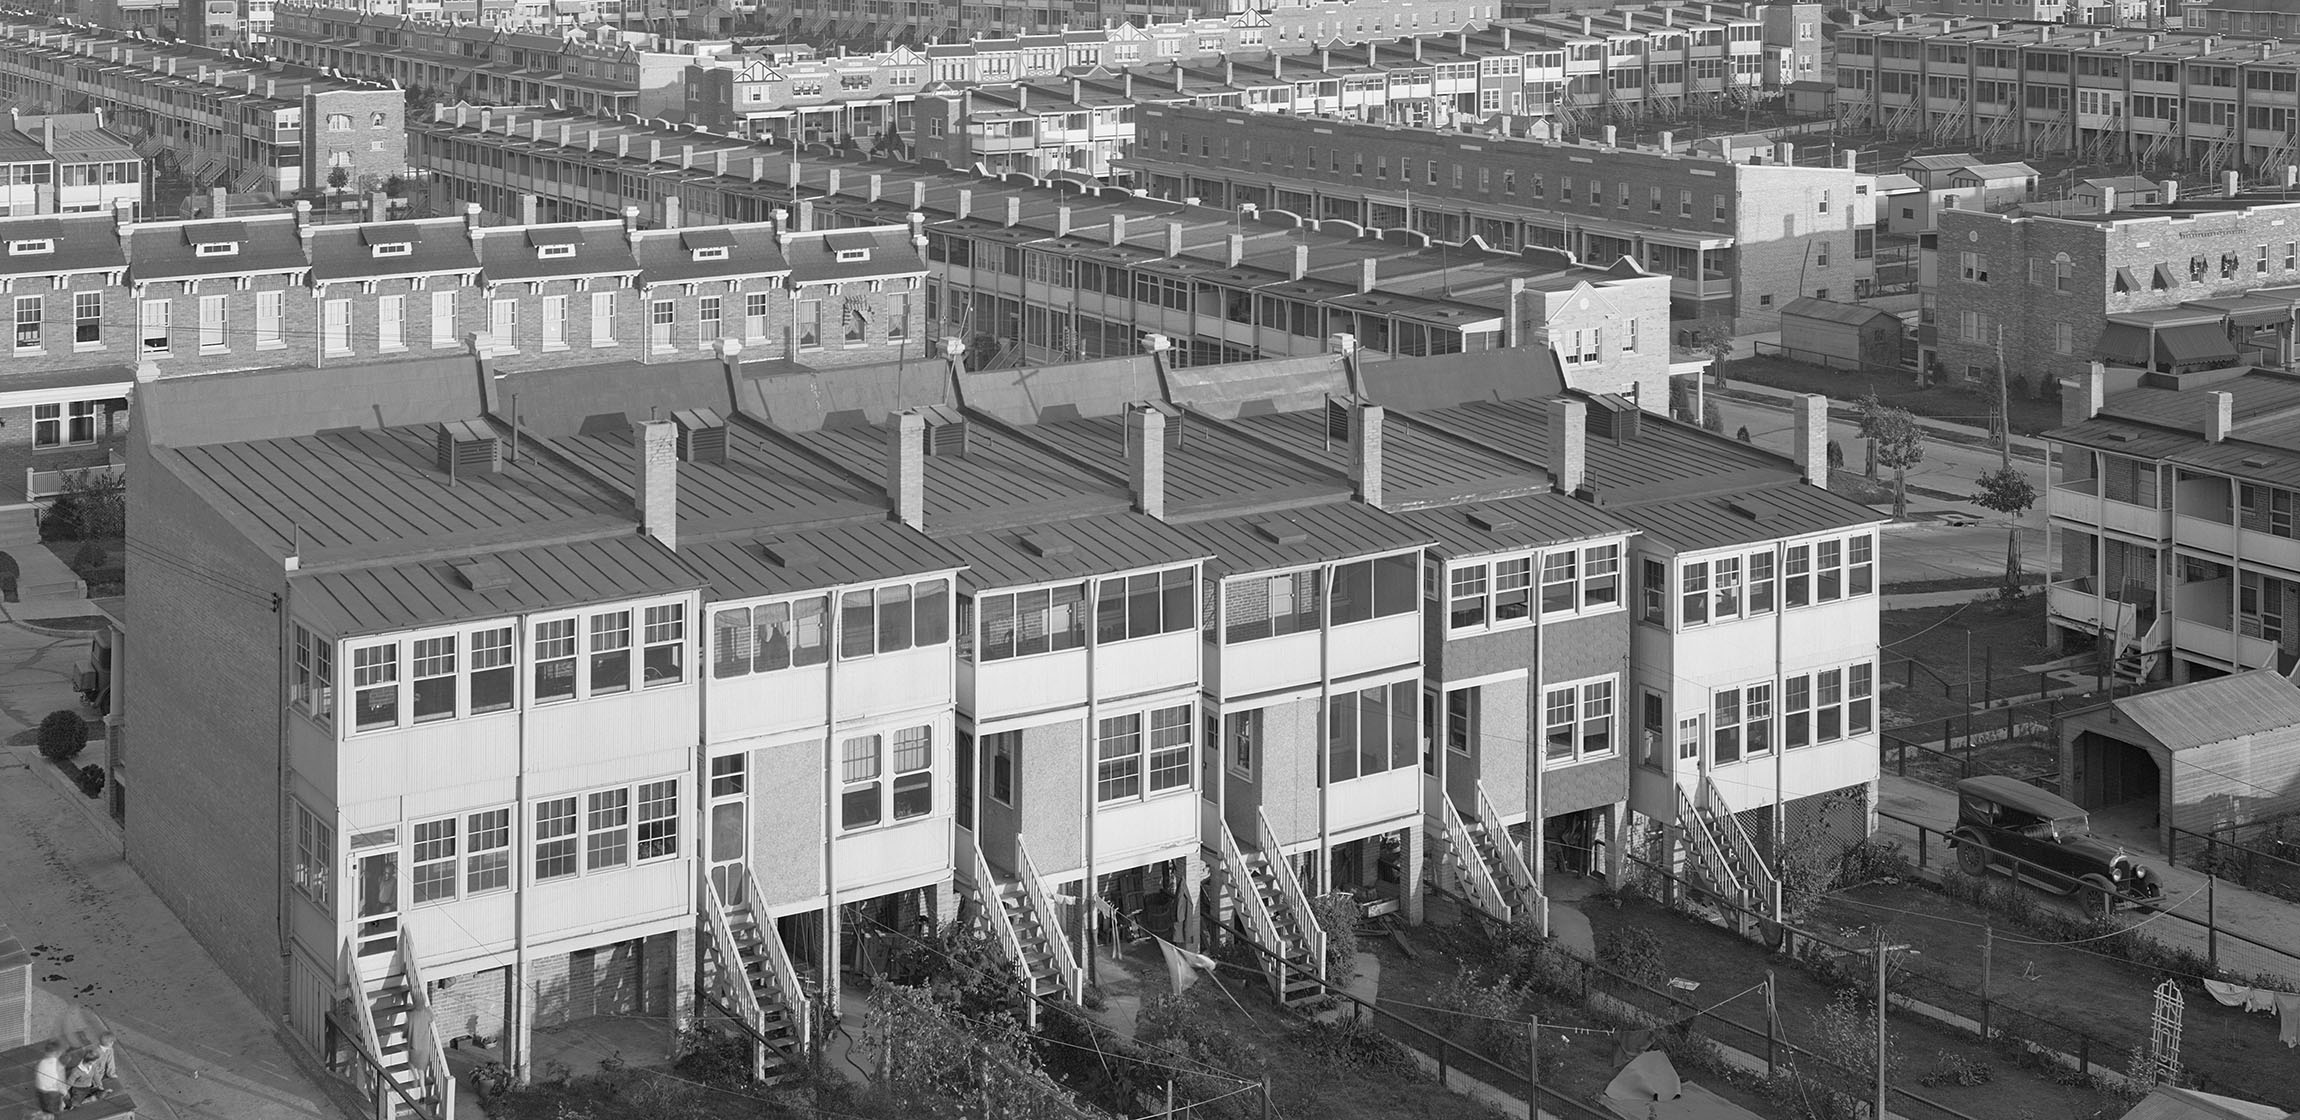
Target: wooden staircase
(1278,917)
(1725,857)
(1499,879)
(397,1031)
(757,979)
(1023,922)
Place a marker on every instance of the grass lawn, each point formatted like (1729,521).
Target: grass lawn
(2231,1051)
(2002,640)
(1953,403)
(1724,964)
(2020,757)
(1861,488)
(1574,1065)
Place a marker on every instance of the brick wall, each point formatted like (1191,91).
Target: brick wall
(473,1005)
(627,978)
(123,326)
(204,830)
(372,148)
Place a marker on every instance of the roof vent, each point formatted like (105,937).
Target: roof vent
(1750,508)
(1490,521)
(484,573)
(790,553)
(1613,417)
(468,447)
(1046,544)
(2117,437)
(702,436)
(946,435)
(1281,532)
(2257,462)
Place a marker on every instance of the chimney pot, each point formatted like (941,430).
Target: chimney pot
(2231,183)
(1301,262)
(1568,444)
(1013,211)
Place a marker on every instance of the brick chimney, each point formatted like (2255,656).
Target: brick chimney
(656,487)
(1146,459)
(1811,416)
(1568,444)
(2082,396)
(906,467)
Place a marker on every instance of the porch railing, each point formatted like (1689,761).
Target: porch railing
(1057,946)
(1752,863)
(1704,842)
(1514,864)
(426,1054)
(1001,926)
(1250,897)
(370,1078)
(39,484)
(1297,900)
(795,999)
(732,976)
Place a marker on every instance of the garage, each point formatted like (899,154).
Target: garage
(2195,757)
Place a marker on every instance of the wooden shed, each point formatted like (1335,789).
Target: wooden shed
(1841,335)
(2198,756)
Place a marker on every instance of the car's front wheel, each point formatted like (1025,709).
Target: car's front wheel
(1972,855)
(2096,895)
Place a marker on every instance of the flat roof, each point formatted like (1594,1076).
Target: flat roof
(1081,546)
(402,596)
(801,560)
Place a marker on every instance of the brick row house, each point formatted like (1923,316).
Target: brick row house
(620,684)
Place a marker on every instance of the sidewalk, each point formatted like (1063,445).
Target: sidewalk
(192,1046)
(2024,447)
(2258,916)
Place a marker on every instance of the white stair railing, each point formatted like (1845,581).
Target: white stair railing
(1514,864)
(786,972)
(737,981)
(1712,853)
(1002,926)
(1751,862)
(1250,897)
(1476,878)
(1057,945)
(426,1054)
(372,1081)
(1297,900)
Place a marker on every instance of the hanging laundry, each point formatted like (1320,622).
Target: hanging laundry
(2229,995)
(2288,1014)
(2260,999)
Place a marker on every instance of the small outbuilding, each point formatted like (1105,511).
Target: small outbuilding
(1810,99)
(2198,756)
(1841,335)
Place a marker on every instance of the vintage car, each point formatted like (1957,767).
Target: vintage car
(2040,838)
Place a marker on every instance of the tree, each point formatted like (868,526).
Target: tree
(2008,491)
(338,177)
(1743,434)
(1897,442)
(1680,399)
(1714,336)
(1712,420)
(1836,456)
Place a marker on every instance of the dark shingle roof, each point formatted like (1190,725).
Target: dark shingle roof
(171,252)
(348,252)
(84,243)
(515,253)
(668,255)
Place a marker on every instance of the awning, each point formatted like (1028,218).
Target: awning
(2195,344)
(2250,312)
(2122,344)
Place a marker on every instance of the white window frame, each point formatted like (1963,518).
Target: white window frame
(32,312)
(602,319)
(744,650)
(391,323)
(1594,698)
(1141,761)
(271,314)
(313,875)
(585,648)
(154,318)
(886,773)
(335,326)
(311,688)
(1494,582)
(639,822)
(758,315)
(472,650)
(443,319)
(503,323)
(86,322)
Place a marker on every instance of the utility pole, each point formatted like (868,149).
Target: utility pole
(1880,951)
(2004,401)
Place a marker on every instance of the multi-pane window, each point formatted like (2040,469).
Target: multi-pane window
(556,855)
(1024,623)
(1760,583)
(1797,711)
(555,659)
(610,652)
(1257,607)
(1372,730)
(1145,603)
(863,788)
(893,618)
(1860,564)
(434,675)
(755,316)
(657,835)
(314,867)
(1490,592)
(1829,571)
(28,313)
(607,829)
(1654,577)
(1797,576)
(1577,721)
(661,314)
(87,318)
(665,657)
(313,684)
(442,319)
(1694,578)
(1828,705)
(503,322)
(391,323)
(152,326)
(487,844)
(375,686)
(335,326)
(1725,580)
(809,313)
(1600,576)
(913,757)
(1467,592)
(435,860)
(1000,749)
(1170,748)
(602,318)
(1860,695)
(597,831)
(1725,725)
(770,636)
(1379,588)
(1653,729)
(706,320)
(491,678)
(554,322)
(1757,719)
(1118,758)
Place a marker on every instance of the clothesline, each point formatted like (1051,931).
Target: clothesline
(2286,1005)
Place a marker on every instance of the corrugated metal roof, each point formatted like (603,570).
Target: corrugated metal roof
(996,480)
(2213,711)
(1514,523)
(403,596)
(1787,509)
(864,552)
(1304,535)
(1085,546)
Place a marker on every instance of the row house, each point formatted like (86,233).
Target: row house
(2149,98)
(1023,273)
(66,163)
(1058,36)
(1735,236)
(219,119)
(601,69)
(2195,283)
(2171,527)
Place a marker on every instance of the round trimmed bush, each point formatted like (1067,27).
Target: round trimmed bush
(62,734)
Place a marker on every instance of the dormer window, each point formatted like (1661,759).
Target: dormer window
(215,248)
(31,246)
(709,244)
(390,249)
(711,253)
(853,256)
(554,242)
(549,252)
(215,239)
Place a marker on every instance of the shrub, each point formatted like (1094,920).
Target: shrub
(1338,915)
(1836,456)
(1633,953)
(1742,434)
(62,734)
(91,505)
(1481,1013)
(90,557)
(1348,1044)
(91,779)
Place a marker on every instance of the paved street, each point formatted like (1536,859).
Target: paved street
(193,1048)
